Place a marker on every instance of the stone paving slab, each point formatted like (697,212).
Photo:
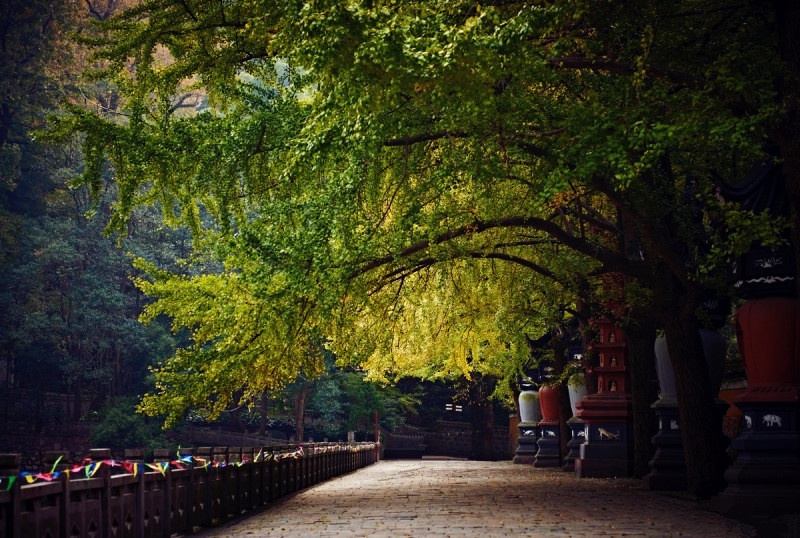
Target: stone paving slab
(459,498)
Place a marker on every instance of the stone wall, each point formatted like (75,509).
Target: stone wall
(451,438)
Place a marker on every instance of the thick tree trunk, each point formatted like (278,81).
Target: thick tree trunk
(262,420)
(482,418)
(704,450)
(300,412)
(483,432)
(641,336)
(564,414)
(5,123)
(675,301)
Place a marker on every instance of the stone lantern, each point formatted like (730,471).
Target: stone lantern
(607,450)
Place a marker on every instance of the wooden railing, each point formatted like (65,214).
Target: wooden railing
(198,488)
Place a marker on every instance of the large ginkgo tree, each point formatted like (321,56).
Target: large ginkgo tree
(421,182)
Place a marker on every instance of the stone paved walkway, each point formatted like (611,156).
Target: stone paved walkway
(457,498)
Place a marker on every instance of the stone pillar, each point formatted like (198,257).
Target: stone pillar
(10,464)
(56,460)
(765,478)
(161,455)
(133,454)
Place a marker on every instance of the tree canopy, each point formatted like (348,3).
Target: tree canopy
(402,177)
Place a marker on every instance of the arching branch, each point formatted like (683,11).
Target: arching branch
(614,260)
(535,267)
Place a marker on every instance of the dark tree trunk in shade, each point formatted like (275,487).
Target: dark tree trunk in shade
(706,458)
(300,412)
(641,334)
(482,417)
(262,420)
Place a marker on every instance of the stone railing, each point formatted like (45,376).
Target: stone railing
(198,488)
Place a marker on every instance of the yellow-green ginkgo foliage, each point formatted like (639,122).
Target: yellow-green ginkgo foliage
(241,345)
(452,320)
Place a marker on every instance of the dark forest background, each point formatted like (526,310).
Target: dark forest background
(74,358)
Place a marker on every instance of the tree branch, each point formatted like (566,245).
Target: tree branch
(604,64)
(596,220)
(425,137)
(401,273)
(183,101)
(519,261)
(101,16)
(614,260)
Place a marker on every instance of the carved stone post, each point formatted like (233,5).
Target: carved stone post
(607,415)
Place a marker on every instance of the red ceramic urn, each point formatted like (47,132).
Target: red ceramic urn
(548,401)
(768,331)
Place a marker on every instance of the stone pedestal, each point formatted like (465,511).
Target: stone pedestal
(668,466)
(527,446)
(765,478)
(608,449)
(549,443)
(576,426)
